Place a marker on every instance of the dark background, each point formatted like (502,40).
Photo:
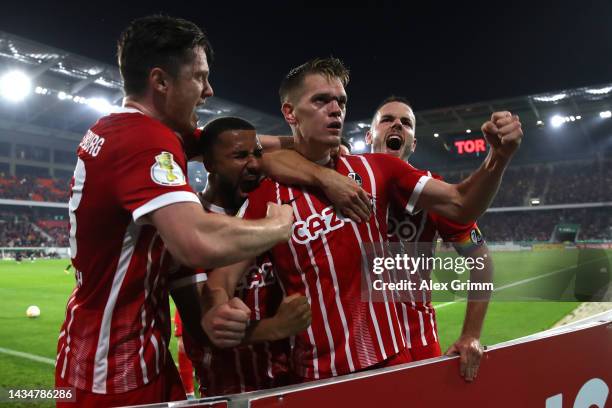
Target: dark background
(437,56)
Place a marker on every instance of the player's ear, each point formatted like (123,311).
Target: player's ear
(368,138)
(414,143)
(158,79)
(288,113)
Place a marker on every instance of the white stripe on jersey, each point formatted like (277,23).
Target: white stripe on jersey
(364,263)
(382,245)
(332,271)
(414,197)
(406,323)
(424,292)
(313,262)
(311,338)
(100,372)
(67,349)
(156,347)
(238,368)
(143,312)
(162,201)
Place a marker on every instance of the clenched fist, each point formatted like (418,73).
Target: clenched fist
(504,133)
(293,315)
(282,217)
(225,324)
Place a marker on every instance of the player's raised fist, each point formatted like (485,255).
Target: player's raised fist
(504,133)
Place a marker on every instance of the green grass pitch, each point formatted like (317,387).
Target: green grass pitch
(44,283)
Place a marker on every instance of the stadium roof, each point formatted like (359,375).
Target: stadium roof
(68,86)
(67,83)
(533,110)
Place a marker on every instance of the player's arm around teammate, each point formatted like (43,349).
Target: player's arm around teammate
(290,167)
(210,241)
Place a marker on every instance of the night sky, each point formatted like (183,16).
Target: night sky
(436,56)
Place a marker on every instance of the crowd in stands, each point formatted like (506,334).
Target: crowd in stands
(558,183)
(23,229)
(538,225)
(34,189)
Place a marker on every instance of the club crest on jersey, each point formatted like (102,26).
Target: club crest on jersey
(356,178)
(476,236)
(166,171)
(316,225)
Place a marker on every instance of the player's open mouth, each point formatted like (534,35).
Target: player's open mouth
(394,142)
(335,125)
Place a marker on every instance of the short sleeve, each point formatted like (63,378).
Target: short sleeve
(406,181)
(151,172)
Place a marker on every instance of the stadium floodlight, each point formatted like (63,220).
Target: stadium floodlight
(557,121)
(359,146)
(539,122)
(534,201)
(436,135)
(578,117)
(15,86)
(551,98)
(605,114)
(572,118)
(61,95)
(599,91)
(100,104)
(468,131)
(363,125)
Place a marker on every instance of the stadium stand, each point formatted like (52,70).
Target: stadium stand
(34,189)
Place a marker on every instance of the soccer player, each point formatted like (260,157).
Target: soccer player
(325,257)
(234,160)
(132,213)
(393,132)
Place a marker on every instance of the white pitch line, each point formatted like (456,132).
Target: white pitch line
(28,356)
(517,283)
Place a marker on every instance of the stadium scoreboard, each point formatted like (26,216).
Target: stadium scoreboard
(467,146)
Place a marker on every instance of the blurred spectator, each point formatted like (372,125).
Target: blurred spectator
(34,189)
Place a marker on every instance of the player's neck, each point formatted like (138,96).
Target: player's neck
(216,196)
(147,108)
(314,152)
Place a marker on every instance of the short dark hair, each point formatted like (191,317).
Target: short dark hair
(393,98)
(212,130)
(157,41)
(390,99)
(330,67)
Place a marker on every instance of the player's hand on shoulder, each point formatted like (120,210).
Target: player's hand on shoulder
(504,133)
(293,315)
(226,323)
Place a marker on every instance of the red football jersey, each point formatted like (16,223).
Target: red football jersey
(250,367)
(115,335)
(324,261)
(419,233)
